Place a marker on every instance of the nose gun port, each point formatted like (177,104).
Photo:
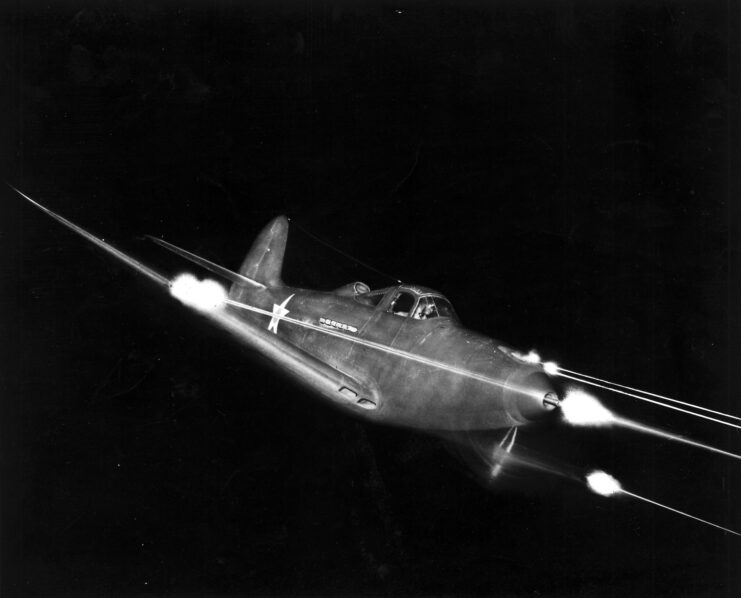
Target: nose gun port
(551,401)
(534,397)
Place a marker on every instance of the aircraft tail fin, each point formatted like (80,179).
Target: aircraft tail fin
(264,262)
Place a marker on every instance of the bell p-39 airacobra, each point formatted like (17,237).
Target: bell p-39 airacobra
(397,355)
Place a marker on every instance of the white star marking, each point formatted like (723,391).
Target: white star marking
(279,311)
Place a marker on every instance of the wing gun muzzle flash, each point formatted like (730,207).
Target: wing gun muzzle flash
(203,295)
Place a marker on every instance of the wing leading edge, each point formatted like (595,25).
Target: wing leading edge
(339,387)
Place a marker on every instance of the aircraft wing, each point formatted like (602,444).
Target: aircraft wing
(342,388)
(339,387)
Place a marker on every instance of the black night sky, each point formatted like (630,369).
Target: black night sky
(565,172)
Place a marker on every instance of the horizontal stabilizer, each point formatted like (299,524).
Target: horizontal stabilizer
(208,265)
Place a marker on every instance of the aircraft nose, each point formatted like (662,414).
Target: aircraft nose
(533,396)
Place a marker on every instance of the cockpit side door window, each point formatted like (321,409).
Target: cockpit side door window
(402,304)
(444,309)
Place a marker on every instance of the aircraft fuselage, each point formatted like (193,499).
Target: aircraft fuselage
(422,373)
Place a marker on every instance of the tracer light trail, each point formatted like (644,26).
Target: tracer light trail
(633,425)
(605,485)
(579,408)
(642,398)
(650,394)
(673,510)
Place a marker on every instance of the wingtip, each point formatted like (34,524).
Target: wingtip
(18,191)
(154,239)
(26,197)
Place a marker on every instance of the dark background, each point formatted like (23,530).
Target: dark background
(566,172)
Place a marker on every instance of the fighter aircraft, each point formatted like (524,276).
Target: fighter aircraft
(399,355)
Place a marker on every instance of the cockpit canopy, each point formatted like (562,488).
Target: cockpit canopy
(431,306)
(419,303)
